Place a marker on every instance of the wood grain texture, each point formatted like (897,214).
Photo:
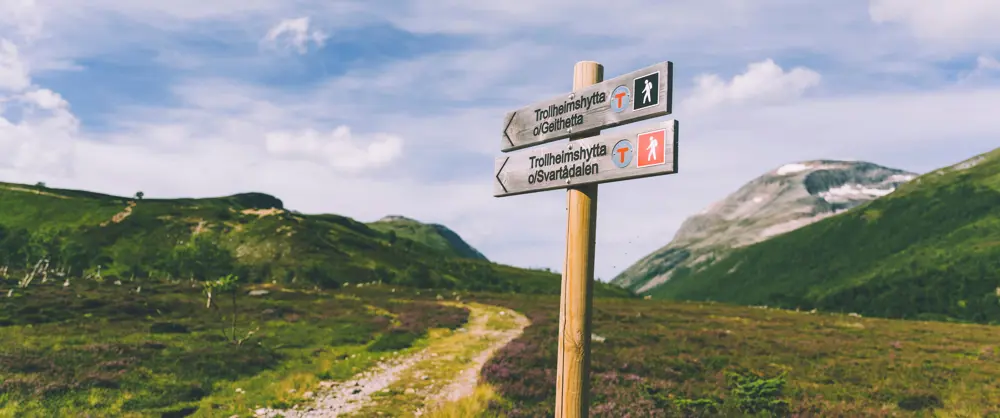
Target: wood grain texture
(573,365)
(514,174)
(519,126)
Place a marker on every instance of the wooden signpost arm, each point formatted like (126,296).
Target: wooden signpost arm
(573,368)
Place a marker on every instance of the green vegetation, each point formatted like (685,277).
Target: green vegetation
(927,251)
(69,348)
(248,235)
(434,236)
(677,359)
(229,284)
(113,306)
(105,349)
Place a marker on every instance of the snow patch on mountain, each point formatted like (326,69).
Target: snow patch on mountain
(791,169)
(851,192)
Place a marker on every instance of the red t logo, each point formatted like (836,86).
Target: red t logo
(621,153)
(619,96)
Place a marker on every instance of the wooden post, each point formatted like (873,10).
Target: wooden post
(573,369)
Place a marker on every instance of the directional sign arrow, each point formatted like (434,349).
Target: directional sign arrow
(631,154)
(639,95)
(506,134)
(500,170)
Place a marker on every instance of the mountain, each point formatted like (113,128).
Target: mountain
(436,237)
(931,249)
(252,235)
(781,200)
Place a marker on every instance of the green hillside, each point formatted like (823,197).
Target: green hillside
(436,237)
(929,250)
(251,235)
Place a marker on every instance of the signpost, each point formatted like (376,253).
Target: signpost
(632,154)
(636,96)
(586,160)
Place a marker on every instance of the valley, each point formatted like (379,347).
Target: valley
(237,306)
(103,350)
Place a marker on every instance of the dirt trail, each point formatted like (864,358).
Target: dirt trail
(445,371)
(465,383)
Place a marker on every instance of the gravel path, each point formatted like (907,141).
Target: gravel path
(342,398)
(338,398)
(466,382)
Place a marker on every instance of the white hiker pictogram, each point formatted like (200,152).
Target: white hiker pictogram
(652,149)
(646,91)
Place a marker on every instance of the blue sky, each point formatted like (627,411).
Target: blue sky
(369,108)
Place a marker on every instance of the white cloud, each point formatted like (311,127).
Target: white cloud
(13,71)
(763,83)
(166,13)
(295,34)
(986,66)
(955,23)
(667,30)
(24,16)
(339,148)
(46,99)
(580,16)
(42,141)
(986,63)
(690,31)
(37,129)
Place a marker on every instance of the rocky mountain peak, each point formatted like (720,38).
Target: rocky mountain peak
(781,200)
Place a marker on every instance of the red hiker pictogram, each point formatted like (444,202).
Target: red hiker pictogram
(651,148)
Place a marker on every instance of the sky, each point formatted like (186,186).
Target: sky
(374,107)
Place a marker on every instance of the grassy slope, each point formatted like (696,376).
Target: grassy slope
(205,238)
(663,358)
(105,350)
(927,250)
(437,237)
(100,349)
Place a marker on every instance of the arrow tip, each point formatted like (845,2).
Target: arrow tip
(501,171)
(505,128)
